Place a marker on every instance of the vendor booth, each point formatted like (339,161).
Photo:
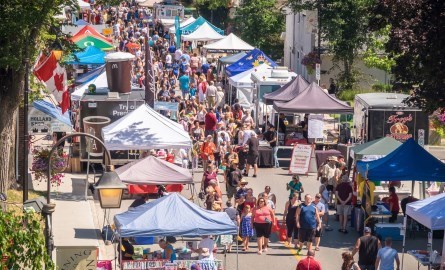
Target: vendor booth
(252,59)
(87,40)
(91,75)
(182,24)
(145,129)
(172,215)
(204,32)
(287,91)
(430,213)
(374,149)
(90,56)
(143,175)
(89,31)
(229,44)
(188,29)
(100,81)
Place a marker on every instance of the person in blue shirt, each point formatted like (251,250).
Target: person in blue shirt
(192,90)
(169,251)
(205,67)
(175,68)
(386,257)
(184,82)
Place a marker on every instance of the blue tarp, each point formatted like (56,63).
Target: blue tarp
(90,56)
(252,59)
(173,215)
(53,111)
(93,74)
(408,162)
(188,29)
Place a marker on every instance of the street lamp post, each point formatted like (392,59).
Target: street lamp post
(106,178)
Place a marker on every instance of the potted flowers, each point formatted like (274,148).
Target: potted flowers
(40,165)
(310,60)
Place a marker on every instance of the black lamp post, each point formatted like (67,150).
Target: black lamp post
(108,187)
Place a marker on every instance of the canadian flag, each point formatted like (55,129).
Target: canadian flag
(51,74)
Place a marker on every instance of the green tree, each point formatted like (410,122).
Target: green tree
(343,27)
(375,55)
(22,242)
(417,44)
(24,32)
(260,23)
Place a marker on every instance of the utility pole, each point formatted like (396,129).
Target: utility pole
(25,126)
(319,6)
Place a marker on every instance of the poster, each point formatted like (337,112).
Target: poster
(42,123)
(315,126)
(300,159)
(76,258)
(143,265)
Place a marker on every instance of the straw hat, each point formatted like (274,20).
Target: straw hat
(332,158)
(244,181)
(205,252)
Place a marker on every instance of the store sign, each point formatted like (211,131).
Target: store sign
(399,129)
(301,158)
(76,258)
(41,123)
(143,265)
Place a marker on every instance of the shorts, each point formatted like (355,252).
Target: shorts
(343,209)
(252,159)
(262,229)
(330,187)
(306,235)
(292,229)
(319,233)
(231,191)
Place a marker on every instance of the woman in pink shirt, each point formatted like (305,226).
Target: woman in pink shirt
(263,218)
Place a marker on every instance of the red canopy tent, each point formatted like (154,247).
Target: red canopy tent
(90,31)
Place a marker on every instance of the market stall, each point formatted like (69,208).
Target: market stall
(188,29)
(90,56)
(143,175)
(182,24)
(252,59)
(145,129)
(91,75)
(229,44)
(172,215)
(287,91)
(430,213)
(100,81)
(204,32)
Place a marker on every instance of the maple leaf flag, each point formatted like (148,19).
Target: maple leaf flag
(51,74)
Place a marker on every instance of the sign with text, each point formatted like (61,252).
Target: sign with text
(301,158)
(144,265)
(40,122)
(317,71)
(76,258)
(315,126)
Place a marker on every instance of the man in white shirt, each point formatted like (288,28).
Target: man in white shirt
(211,94)
(178,54)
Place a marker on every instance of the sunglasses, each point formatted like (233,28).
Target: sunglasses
(262,201)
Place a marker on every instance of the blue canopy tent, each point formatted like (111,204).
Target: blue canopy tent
(252,59)
(90,56)
(53,111)
(408,162)
(84,78)
(188,29)
(173,215)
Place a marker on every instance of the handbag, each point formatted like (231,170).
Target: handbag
(202,195)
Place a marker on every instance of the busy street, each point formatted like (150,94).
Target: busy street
(199,135)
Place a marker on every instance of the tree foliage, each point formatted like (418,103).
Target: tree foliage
(375,55)
(22,242)
(416,41)
(343,27)
(260,23)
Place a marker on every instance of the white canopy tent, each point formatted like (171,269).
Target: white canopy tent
(83,5)
(204,33)
(184,23)
(100,82)
(429,212)
(145,129)
(229,43)
(244,78)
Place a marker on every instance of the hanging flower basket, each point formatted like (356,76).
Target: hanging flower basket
(59,162)
(309,61)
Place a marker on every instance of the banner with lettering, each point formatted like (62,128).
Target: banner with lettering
(144,265)
(301,158)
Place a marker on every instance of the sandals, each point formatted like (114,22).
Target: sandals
(317,249)
(259,252)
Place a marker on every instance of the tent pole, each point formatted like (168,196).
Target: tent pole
(405,218)
(442,261)
(88,172)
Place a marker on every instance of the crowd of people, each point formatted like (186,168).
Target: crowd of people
(225,143)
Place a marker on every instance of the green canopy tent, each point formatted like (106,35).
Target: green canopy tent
(379,147)
(188,29)
(94,41)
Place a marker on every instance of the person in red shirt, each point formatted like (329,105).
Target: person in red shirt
(211,122)
(309,263)
(393,201)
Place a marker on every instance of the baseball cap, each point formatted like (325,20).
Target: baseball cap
(367,230)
